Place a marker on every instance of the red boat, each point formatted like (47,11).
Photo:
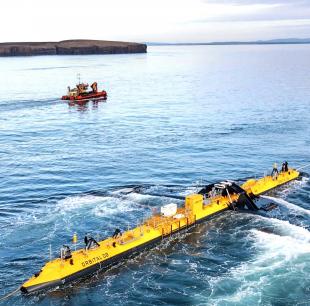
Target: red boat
(81,93)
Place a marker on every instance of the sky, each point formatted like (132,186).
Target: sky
(154,20)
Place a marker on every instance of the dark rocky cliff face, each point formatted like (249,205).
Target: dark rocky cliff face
(70,47)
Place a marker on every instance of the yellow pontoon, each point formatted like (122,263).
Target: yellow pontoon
(197,208)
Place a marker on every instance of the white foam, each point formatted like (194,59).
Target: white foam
(130,194)
(138,197)
(277,257)
(304,180)
(111,206)
(77,202)
(296,184)
(285,247)
(189,190)
(285,228)
(125,190)
(288,204)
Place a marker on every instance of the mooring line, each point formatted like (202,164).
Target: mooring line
(9,294)
(305,166)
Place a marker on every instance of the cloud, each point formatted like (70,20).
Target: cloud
(254,2)
(262,10)
(154,20)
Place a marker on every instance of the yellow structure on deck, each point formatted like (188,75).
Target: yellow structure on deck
(110,251)
(267,183)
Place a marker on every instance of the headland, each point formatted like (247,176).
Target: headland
(70,47)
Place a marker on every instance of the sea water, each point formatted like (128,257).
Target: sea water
(175,118)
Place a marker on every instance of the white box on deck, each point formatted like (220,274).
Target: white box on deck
(169,210)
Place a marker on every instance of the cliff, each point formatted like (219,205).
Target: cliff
(70,47)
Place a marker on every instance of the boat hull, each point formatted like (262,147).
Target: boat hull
(88,96)
(108,263)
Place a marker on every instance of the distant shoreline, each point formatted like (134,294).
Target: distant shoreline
(292,41)
(70,47)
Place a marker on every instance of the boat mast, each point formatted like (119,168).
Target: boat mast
(79,78)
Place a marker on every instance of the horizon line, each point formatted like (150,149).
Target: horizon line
(237,42)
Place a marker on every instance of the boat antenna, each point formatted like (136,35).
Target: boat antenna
(79,78)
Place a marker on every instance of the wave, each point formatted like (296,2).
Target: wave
(53,67)
(284,228)
(294,185)
(275,274)
(287,204)
(297,242)
(76,202)
(16,105)
(111,206)
(304,181)
(70,207)
(102,206)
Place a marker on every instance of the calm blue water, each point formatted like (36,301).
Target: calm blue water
(176,115)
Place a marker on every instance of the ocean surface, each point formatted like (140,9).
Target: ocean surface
(175,118)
